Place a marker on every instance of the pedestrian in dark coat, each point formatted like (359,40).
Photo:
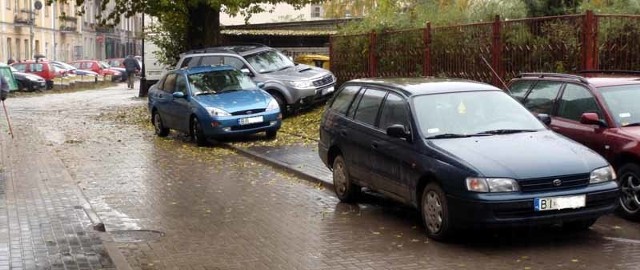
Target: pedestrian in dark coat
(131,66)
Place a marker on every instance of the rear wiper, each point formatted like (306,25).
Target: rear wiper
(632,124)
(206,93)
(504,131)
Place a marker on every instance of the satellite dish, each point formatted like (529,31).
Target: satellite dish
(37,5)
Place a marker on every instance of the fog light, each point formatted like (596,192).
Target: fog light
(272,123)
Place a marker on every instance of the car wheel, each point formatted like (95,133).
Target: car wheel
(629,180)
(271,134)
(346,190)
(580,225)
(158,126)
(281,102)
(435,212)
(197,134)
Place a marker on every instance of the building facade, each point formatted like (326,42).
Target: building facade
(59,34)
(277,13)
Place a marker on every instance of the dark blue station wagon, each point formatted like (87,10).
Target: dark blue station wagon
(463,153)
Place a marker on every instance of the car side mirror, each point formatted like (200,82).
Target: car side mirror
(399,131)
(178,94)
(260,85)
(544,118)
(592,119)
(247,72)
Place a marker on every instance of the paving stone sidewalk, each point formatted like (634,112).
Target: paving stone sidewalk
(45,222)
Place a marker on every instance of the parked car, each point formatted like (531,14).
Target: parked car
(5,71)
(463,153)
(212,102)
(115,62)
(599,112)
(292,85)
(121,70)
(99,68)
(28,81)
(317,60)
(76,71)
(41,68)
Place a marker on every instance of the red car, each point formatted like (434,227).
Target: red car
(98,67)
(43,69)
(602,113)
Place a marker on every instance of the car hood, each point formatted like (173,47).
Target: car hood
(235,101)
(522,155)
(633,132)
(29,76)
(296,73)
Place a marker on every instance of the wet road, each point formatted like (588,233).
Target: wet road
(167,204)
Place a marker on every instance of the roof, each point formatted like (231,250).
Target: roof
(595,78)
(611,81)
(243,49)
(428,85)
(202,69)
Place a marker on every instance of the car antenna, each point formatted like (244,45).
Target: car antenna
(495,74)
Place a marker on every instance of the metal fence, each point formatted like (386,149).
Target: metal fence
(567,44)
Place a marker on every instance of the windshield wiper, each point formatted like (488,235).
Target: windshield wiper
(504,131)
(448,136)
(206,93)
(285,67)
(632,124)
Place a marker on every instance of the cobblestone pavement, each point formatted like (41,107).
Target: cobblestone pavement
(167,204)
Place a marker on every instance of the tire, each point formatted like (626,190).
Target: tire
(271,134)
(346,191)
(629,180)
(197,134)
(281,101)
(578,226)
(158,126)
(435,212)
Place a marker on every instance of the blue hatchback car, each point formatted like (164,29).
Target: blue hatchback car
(212,102)
(464,153)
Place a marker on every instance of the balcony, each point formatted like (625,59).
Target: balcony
(23,18)
(104,29)
(68,27)
(67,18)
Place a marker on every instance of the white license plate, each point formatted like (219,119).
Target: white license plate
(327,90)
(558,203)
(251,120)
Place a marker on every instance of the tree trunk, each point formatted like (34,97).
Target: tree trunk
(204,28)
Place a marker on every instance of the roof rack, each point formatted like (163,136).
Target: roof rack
(554,75)
(594,71)
(230,48)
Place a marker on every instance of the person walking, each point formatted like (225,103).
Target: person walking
(131,66)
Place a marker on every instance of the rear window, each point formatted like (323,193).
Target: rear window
(36,67)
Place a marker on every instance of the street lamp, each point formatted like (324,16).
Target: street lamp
(37,5)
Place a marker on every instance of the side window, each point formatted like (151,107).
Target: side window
(575,101)
(36,67)
(541,97)
(20,67)
(234,62)
(211,61)
(369,106)
(519,88)
(186,61)
(181,84)
(344,98)
(394,111)
(169,83)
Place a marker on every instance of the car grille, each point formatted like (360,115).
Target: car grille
(246,112)
(250,126)
(323,81)
(545,184)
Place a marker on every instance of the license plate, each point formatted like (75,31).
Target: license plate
(559,203)
(327,90)
(251,120)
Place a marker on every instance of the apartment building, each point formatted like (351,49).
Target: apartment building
(59,34)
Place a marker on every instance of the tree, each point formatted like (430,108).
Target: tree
(192,23)
(538,8)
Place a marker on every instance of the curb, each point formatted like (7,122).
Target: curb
(279,165)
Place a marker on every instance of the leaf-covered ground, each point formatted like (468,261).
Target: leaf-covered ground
(301,128)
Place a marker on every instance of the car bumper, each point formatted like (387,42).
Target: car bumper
(230,126)
(495,210)
(317,95)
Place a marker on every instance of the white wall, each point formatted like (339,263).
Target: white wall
(279,10)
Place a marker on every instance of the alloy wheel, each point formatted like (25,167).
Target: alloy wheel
(433,211)
(630,197)
(339,178)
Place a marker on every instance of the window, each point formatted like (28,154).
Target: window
(181,84)
(368,107)
(186,62)
(211,61)
(575,101)
(46,10)
(234,62)
(541,97)
(343,99)
(8,4)
(315,12)
(394,111)
(519,89)
(9,51)
(20,67)
(36,67)
(169,83)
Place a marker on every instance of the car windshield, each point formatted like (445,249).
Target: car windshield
(64,65)
(269,61)
(104,65)
(622,101)
(477,113)
(214,82)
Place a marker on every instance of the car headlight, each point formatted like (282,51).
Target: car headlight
(301,84)
(601,175)
(478,184)
(273,105)
(217,112)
